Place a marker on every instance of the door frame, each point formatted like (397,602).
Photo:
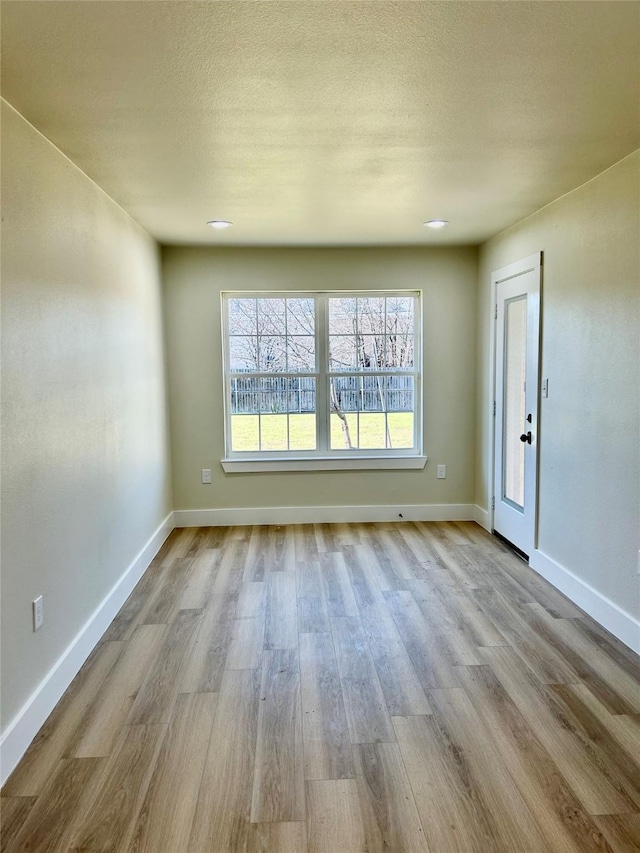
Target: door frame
(532,263)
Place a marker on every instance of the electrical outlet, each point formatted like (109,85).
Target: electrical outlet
(206,475)
(38,612)
(441,472)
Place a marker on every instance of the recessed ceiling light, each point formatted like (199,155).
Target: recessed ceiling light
(436,223)
(219,224)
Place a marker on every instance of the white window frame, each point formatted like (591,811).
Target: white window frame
(323,457)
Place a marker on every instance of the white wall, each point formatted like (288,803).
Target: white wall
(590,424)
(193,280)
(85,470)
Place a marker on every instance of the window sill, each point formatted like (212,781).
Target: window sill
(366,463)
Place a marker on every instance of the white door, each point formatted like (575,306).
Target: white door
(517,344)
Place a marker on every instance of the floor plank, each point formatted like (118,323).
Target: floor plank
(51,821)
(459,647)
(166,819)
(154,701)
(625,729)
(60,730)
(252,601)
(13,813)
(598,793)
(245,646)
(305,545)
(403,692)
(531,645)
(110,818)
(231,569)
(277,838)
(622,831)
(386,800)
(223,811)
(617,689)
(335,819)
(132,611)
(164,605)
(561,817)
(278,786)
(339,594)
(421,642)
(327,748)
(177,545)
(203,668)
(103,722)
(515,826)
(610,755)
(451,805)
(367,713)
(313,616)
(282,611)
(199,584)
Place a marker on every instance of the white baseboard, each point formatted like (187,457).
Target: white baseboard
(481,517)
(321,514)
(618,622)
(30,718)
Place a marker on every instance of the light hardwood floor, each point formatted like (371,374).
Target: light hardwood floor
(339,688)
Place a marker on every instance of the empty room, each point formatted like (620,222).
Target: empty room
(320,411)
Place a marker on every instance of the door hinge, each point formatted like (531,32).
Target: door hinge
(493,503)
(495,313)
(494,408)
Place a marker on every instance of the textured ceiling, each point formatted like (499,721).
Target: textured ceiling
(328,122)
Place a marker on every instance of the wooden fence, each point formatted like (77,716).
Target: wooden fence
(250,395)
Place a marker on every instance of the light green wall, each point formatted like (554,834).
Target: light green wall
(193,280)
(590,423)
(85,471)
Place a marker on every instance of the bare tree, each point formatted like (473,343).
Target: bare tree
(337,409)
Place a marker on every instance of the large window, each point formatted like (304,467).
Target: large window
(311,375)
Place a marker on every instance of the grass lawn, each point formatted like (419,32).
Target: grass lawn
(302,431)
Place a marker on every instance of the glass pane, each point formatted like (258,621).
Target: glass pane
(399,395)
(301,354)
(245,396)
(370,352)
(274,394)
(302,432)
(342,353)
(301,316)
(302,418)
(273,432)
(515,354)
(400,315)
(271,317)
(301,395)
(399,351)
(272,354)
(344,392)
(372,431)
(242,317)
(400,430)
(372,396)
(344,431)
(243,353)
(342,316)
(244,432)
(371,315)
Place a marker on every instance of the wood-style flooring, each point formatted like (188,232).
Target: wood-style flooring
(339,688)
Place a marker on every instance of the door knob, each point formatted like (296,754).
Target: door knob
(526,437)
